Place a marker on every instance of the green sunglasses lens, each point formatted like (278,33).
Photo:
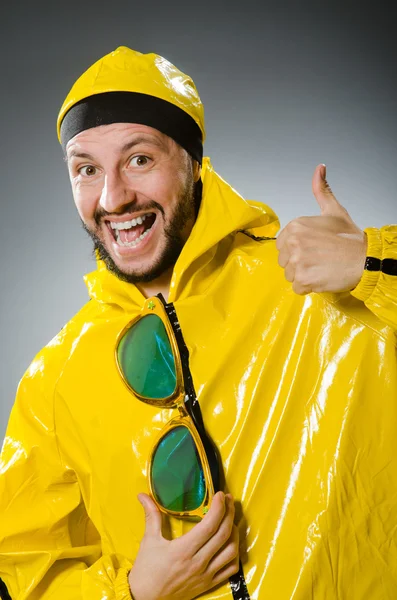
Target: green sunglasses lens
(146,360)
(177,473)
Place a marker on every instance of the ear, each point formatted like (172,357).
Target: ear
(196,171)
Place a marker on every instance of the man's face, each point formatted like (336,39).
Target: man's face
(134,190)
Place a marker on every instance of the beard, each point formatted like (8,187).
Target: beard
(186,209)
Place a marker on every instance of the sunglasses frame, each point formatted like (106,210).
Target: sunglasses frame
(189,412)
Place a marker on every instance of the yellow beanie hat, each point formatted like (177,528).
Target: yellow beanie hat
(128,86)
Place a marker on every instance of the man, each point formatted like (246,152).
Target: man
(297,390)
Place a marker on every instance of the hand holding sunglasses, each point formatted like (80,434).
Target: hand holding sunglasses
(188,566)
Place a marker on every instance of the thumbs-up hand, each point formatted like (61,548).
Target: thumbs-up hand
(324,253)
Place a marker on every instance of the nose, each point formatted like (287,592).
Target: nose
(116,195)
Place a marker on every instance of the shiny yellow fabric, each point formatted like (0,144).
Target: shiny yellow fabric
(299,394)
(377,289)
(126,70)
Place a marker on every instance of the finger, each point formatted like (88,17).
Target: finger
(152,516)
(296,227)
(289,272)
(280,239)
(228,552)
(284,256)
(326,200)
(222,535)
(227,571)
(301,289)
(208,526)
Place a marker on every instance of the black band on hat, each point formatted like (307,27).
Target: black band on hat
(133,107)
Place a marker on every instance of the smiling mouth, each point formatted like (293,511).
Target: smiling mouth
(130,233)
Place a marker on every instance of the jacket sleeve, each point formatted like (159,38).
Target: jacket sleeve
(378,289)
(49,548)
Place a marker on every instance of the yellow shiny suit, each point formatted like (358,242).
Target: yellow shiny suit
(298,393)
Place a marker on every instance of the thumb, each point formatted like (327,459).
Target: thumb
(152,516)
(326,200)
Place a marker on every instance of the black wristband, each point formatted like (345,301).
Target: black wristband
(389,266)
(372,264)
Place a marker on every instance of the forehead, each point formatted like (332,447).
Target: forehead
(115,136)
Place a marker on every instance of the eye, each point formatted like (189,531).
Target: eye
(87,171)
(139,161)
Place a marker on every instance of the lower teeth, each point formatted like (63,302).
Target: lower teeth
(134,242)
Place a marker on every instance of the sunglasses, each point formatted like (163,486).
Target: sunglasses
(184,468)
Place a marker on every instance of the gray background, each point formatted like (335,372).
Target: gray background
(285,85)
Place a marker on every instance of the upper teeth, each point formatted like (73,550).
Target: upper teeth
(128,224)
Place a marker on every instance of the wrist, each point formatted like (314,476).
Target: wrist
(129,585)
(122,586)
(372,266)
(134,587)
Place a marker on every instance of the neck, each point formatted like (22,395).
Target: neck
(161,284)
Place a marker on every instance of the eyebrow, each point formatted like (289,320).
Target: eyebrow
(138,140)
